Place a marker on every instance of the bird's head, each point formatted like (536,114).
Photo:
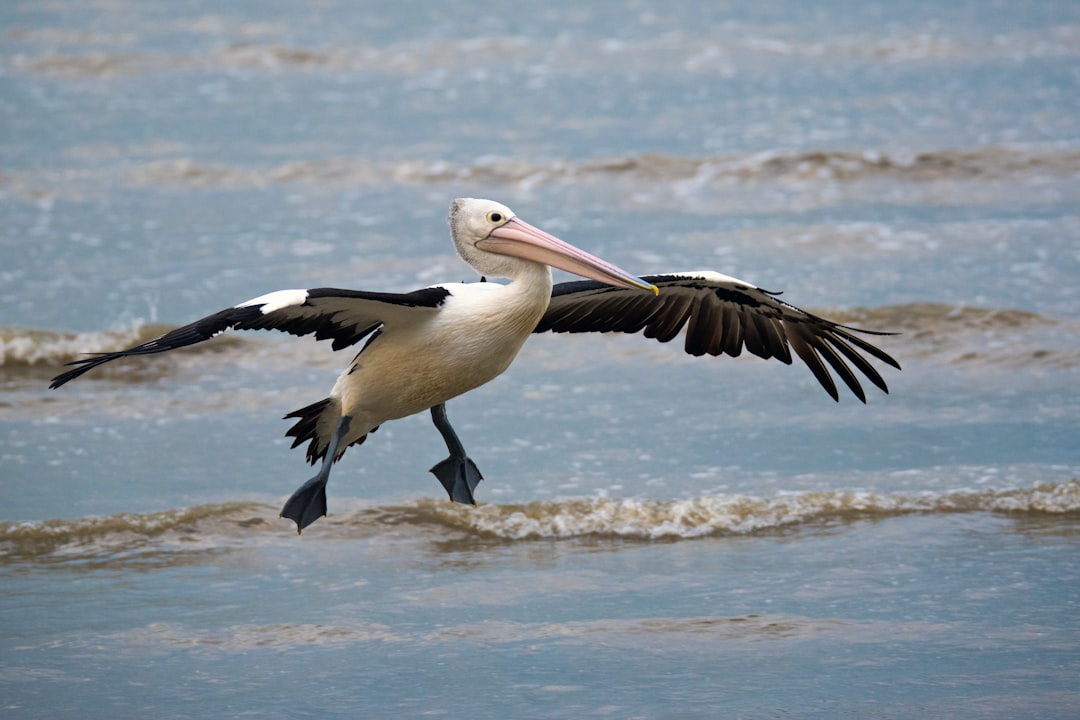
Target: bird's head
(494,241)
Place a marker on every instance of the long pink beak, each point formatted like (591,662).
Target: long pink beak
(520,239)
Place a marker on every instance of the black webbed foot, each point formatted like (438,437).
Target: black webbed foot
(307,504)
(460,477)
(457,473)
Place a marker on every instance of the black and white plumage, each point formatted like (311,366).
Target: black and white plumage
(344,316)
(428,346)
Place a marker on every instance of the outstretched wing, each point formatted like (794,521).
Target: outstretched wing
(344,316)
(722,315)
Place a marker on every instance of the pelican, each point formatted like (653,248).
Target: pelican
(426,347)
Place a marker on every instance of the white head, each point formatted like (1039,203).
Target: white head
(496,242)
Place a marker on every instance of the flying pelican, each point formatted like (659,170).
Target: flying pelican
(428,346)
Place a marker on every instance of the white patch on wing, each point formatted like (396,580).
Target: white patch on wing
(713,276)
(277,300)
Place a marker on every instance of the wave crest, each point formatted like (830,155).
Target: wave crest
(213,527)
(811,167)
(817,165)
(27,347)
(733,514)
(119,533)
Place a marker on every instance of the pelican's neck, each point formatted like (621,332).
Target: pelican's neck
(522,301)
(533,283)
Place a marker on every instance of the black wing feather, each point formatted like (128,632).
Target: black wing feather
(722,316)
(802,347)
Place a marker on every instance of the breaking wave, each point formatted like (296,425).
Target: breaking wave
(705,629)
(25,347)
(96,55)
(987,163)
(992,337)
(208,528)
(815,166)
(114,534)
(731,514)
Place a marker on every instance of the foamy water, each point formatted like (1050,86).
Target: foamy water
(218,527)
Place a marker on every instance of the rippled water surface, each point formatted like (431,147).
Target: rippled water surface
(658,535)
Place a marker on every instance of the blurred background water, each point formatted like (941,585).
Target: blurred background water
(659,536)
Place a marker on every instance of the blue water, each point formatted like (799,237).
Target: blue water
(659,536)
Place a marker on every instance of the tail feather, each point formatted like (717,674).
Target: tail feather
(316,425)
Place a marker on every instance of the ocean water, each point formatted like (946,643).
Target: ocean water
(658,536)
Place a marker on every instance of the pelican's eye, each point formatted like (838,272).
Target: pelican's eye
(495,217)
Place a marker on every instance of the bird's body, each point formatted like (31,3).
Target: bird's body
(477,333)
(426,347)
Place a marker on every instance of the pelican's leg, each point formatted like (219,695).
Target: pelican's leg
(308,503)
(457,473)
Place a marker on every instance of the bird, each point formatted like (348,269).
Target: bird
(423,348)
